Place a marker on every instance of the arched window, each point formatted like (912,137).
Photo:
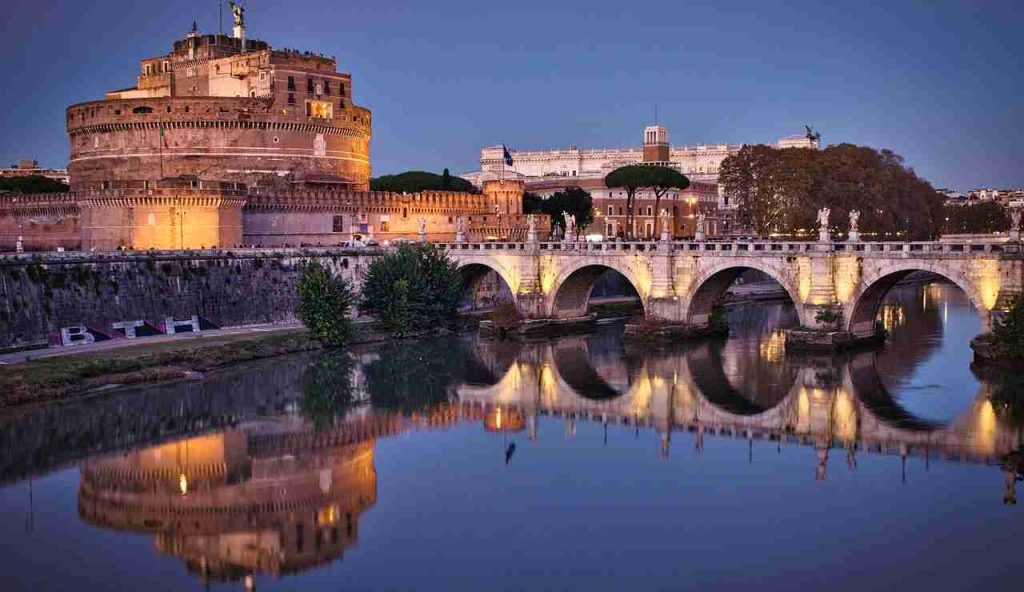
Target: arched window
(611,210)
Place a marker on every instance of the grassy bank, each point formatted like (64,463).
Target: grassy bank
(73,375)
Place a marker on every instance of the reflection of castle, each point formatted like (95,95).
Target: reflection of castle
(238,502)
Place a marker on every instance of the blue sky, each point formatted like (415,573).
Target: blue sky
(939,82)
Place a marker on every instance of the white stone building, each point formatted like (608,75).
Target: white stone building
(699,163)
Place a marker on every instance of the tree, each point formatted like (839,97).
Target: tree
(327,391)
(532,203)
(633,178)
(324,302)
(416,380)
(663,179)
(416,181)
(975,218)
(412,289)
(32,184)
(779,191)
(571,200)
(630,178)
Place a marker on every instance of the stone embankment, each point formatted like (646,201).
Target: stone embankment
(54,298)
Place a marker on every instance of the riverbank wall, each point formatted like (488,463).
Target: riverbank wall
(56,298)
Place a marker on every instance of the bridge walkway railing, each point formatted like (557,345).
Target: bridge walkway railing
(719,247)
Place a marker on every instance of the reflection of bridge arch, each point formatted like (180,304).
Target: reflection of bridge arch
(572,363)
(862,310)
(710,286)
(708,374)
(572,287)
(831,400)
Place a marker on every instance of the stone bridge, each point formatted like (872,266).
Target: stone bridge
(681,282)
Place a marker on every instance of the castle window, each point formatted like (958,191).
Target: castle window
(385,227)
(405,212)
(291,83)
(309,85)
(186,108)
(168,108)
(291,98)
(611,210)
(341,89)
(327,87)
(338,224)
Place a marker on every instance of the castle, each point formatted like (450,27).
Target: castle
(226,141)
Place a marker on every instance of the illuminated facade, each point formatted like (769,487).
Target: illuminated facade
(224,142)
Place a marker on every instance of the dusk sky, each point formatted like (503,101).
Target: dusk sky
(940,83)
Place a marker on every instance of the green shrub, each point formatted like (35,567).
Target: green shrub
(827,316)
(1008,331)
(324,302)
(505,317)
(412,289)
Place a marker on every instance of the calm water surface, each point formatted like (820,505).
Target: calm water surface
(573,464)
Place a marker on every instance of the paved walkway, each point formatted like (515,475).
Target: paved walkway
(36,354)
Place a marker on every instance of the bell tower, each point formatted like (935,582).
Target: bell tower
(656,147)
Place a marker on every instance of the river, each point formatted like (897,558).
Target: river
(580,463)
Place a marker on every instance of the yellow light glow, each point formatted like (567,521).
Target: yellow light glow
(773,346)
(327,515)
(893,316)
(847,275)
(322,109)
(548,275)
(844,418)
(989,281)
(803,411)
(642,277)
(804,273)
(183,484)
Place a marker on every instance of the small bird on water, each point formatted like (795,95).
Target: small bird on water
(509,452)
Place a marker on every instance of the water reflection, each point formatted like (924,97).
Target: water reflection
(267,470)
(262,498)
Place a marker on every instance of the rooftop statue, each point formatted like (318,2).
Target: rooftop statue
(238,12)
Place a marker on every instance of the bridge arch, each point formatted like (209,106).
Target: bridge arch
(711,284)
(472,273)
(862,310)
(571,288)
